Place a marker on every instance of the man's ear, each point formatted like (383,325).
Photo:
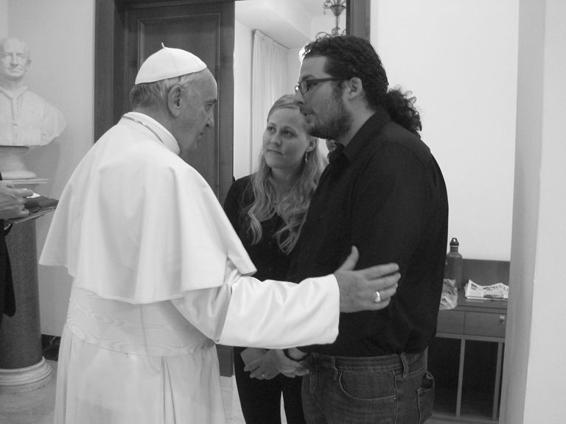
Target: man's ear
(174,99)
(354,87)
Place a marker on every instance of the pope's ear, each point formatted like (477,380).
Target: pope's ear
(174,99)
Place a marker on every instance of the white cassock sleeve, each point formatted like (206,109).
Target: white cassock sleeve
(269,314)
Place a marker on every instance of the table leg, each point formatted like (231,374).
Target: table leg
(460,377)
(498,369)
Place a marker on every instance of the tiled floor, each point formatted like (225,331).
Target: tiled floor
(36,407)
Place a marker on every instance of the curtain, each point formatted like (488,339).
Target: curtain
(269,82)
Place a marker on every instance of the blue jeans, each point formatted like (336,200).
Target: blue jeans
(391,389)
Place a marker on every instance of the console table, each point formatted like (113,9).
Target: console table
(466,357)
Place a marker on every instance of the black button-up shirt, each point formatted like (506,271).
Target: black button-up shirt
(385,194)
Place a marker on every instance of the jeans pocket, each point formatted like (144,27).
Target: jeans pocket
(367,386)
(365,397)
(425,397)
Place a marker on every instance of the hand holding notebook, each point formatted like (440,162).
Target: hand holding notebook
(37,205)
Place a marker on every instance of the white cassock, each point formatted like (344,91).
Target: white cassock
(159,277)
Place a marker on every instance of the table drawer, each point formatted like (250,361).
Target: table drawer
(451,322)
(482,324)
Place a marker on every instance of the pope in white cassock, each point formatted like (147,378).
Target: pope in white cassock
(160,276)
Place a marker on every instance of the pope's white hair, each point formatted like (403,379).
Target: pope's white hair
(155,93)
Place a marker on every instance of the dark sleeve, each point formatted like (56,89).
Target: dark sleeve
(387,221)
(234,203)
(231,204)
(389,200)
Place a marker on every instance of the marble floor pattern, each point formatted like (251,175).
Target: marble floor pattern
(36,407)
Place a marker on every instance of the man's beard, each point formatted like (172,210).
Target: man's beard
(335,122)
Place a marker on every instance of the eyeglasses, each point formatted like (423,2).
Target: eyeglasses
(306,85)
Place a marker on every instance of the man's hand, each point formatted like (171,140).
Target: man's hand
(12,202)
(368,289)
(272,363)
(297,365)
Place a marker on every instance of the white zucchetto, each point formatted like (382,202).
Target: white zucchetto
(168,63)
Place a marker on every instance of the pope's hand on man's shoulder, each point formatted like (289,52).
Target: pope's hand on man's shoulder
(365,289)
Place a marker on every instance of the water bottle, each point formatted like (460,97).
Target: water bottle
(454,264)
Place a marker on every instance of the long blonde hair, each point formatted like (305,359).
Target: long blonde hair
(291,206)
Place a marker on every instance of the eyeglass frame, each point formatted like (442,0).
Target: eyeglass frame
(310,83)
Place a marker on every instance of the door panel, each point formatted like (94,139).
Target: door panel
(203,28)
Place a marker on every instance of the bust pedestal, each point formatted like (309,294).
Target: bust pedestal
(12,164)
(22,366)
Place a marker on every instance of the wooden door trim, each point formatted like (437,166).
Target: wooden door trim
(358,18)
(105,22)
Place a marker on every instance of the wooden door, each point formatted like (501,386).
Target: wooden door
(128,31)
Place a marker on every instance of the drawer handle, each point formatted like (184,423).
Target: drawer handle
(501,319)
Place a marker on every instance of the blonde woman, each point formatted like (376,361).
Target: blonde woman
(268,209)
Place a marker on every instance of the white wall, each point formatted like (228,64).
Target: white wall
(459,59)
(3,18)
(294,65)
(533,387)
(60,34)
(287,21)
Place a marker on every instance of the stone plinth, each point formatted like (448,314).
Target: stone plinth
(12,163)
(22,366)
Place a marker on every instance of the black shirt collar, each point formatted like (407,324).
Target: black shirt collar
(373,125)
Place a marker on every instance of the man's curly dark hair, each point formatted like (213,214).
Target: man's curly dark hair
(349,56)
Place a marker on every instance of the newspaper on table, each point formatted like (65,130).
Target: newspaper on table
(497,291)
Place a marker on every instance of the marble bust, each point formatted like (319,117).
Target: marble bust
(26,119)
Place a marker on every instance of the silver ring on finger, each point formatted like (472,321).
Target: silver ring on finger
(377,297)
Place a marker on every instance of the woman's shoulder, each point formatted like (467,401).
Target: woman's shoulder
(243,181)
(242,185)
(240,192)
